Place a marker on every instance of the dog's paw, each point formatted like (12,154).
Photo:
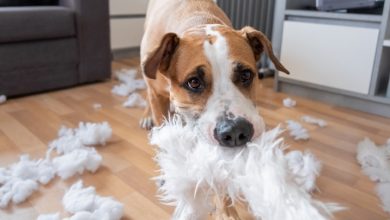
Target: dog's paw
(146,123)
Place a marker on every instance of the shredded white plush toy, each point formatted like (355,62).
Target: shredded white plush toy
(194,173)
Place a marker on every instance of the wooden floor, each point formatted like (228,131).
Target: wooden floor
(28,124)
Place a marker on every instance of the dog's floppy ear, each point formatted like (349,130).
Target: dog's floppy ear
(259,42)
(160,58)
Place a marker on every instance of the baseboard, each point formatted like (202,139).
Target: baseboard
(365,105)
(125,53)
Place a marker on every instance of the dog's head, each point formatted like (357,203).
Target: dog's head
(212,74)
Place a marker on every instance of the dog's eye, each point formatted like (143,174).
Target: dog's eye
(195,84)
(246,77)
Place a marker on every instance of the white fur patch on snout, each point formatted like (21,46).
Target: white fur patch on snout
(225,97)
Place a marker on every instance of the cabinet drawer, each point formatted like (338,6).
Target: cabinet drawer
(126,33)
(335,56)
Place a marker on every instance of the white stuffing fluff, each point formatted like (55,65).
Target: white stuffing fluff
(84,203)
(54,216)
(3,99)
(311,120)
(73,145)
(86,134)
(135,100)
(128,83)
(77,161)
(375,162)
(297,130)
(94,133)
(289,102)
(305,169)
(194,171)
(383,191)
(97,106)
(18,181)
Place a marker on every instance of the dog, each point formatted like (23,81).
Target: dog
(195,63)
(192,59)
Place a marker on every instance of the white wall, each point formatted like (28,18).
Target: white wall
(127,20)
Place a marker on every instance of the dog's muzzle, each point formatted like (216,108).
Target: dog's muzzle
(233,132)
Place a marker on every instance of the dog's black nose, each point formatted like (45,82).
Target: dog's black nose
(233,132)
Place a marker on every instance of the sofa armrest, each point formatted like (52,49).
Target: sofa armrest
(93,35)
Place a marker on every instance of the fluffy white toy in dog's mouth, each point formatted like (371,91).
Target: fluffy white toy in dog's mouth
(196,175)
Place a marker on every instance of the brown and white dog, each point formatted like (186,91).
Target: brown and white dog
(195,61)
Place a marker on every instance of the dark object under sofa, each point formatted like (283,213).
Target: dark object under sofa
(58,45)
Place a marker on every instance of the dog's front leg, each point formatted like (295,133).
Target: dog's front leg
(156,111)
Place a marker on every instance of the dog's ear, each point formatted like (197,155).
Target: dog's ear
(160,58)
(259,42)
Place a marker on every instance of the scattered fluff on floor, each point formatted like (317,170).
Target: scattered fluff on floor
(3,99)
(289,102)
(193,172)
(135,100)
(383,191)
(128,87)
(85,204)
(297,130)
(74,155)
(97,106)
(311,120)
(128,82)
(375,162)
(77,161)
(20,180)
(305,169)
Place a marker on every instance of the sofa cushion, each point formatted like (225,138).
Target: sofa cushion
(38,79)
(35,66)
(4,3)
(35,23)
(34,54)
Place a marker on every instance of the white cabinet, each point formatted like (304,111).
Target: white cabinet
(127,23)
(334,56)
(126,32)
(128,7)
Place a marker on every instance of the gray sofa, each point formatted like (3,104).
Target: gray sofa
(50,47)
